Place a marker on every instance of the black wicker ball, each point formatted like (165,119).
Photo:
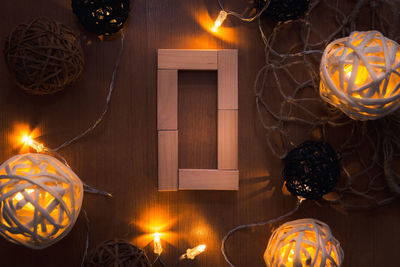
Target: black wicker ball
(283,10)
(117,253)
(311,170)
(101,17)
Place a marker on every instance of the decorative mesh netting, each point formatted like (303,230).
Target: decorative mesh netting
(293,51)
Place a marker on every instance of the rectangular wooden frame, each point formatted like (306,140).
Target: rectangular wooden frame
(226,177)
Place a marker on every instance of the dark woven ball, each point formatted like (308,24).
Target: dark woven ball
(44,56)
(311,170)
(283,10)
(117,253)
(101,17)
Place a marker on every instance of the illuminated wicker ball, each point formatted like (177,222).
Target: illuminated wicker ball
(44,56)
(303,243)
(311,170)
(117,253)
(360,75)
(101,17)
(283,10)
(40,200)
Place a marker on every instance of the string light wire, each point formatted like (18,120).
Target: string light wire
(87,237)
(105,108)
(305,54)
(243,226)
(40,148)
(237,15)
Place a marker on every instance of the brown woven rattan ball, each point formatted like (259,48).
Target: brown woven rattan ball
(117,253)
(44,56)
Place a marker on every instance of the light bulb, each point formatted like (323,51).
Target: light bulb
(157,244)
(218,22)
(191,253)
(27,140)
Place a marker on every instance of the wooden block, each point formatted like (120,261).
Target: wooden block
(187,59)
(190,179)
(227,139)
(167,100)
(228,79)
(167,160)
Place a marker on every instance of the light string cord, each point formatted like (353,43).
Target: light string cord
(87,188)
(237,15)
(243,226)
(184,258)
(105,109)
(54,151)
(279,138)
(258,16)
(159,260)
(87,237)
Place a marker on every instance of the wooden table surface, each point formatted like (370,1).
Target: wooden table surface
(120,156)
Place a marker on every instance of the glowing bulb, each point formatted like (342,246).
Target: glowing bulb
(347,70)
(157,244)
(362,74)
(27,140)
(18,197)
(218,22)
(191,253)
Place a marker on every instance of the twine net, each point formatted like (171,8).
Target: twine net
(44,56)
(290,109)
(117,253)
(40,200)
(305,242)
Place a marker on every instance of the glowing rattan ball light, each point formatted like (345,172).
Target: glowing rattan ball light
(301,243)
(360,75)
(40,199)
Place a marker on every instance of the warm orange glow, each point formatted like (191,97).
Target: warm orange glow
(20,134)
(220,19)
(287,251)
(157,244)
(39,187)
(191,253)
(19,197)
(28,140)
(303,243)
(362,74)
(155,220)
(208,24)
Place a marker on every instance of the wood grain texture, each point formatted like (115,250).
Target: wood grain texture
(187,59)
(197,119)
(228,79)
(120,156)
(167,160)
(228,139)
(167,100)
(202,179)
(167,97)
